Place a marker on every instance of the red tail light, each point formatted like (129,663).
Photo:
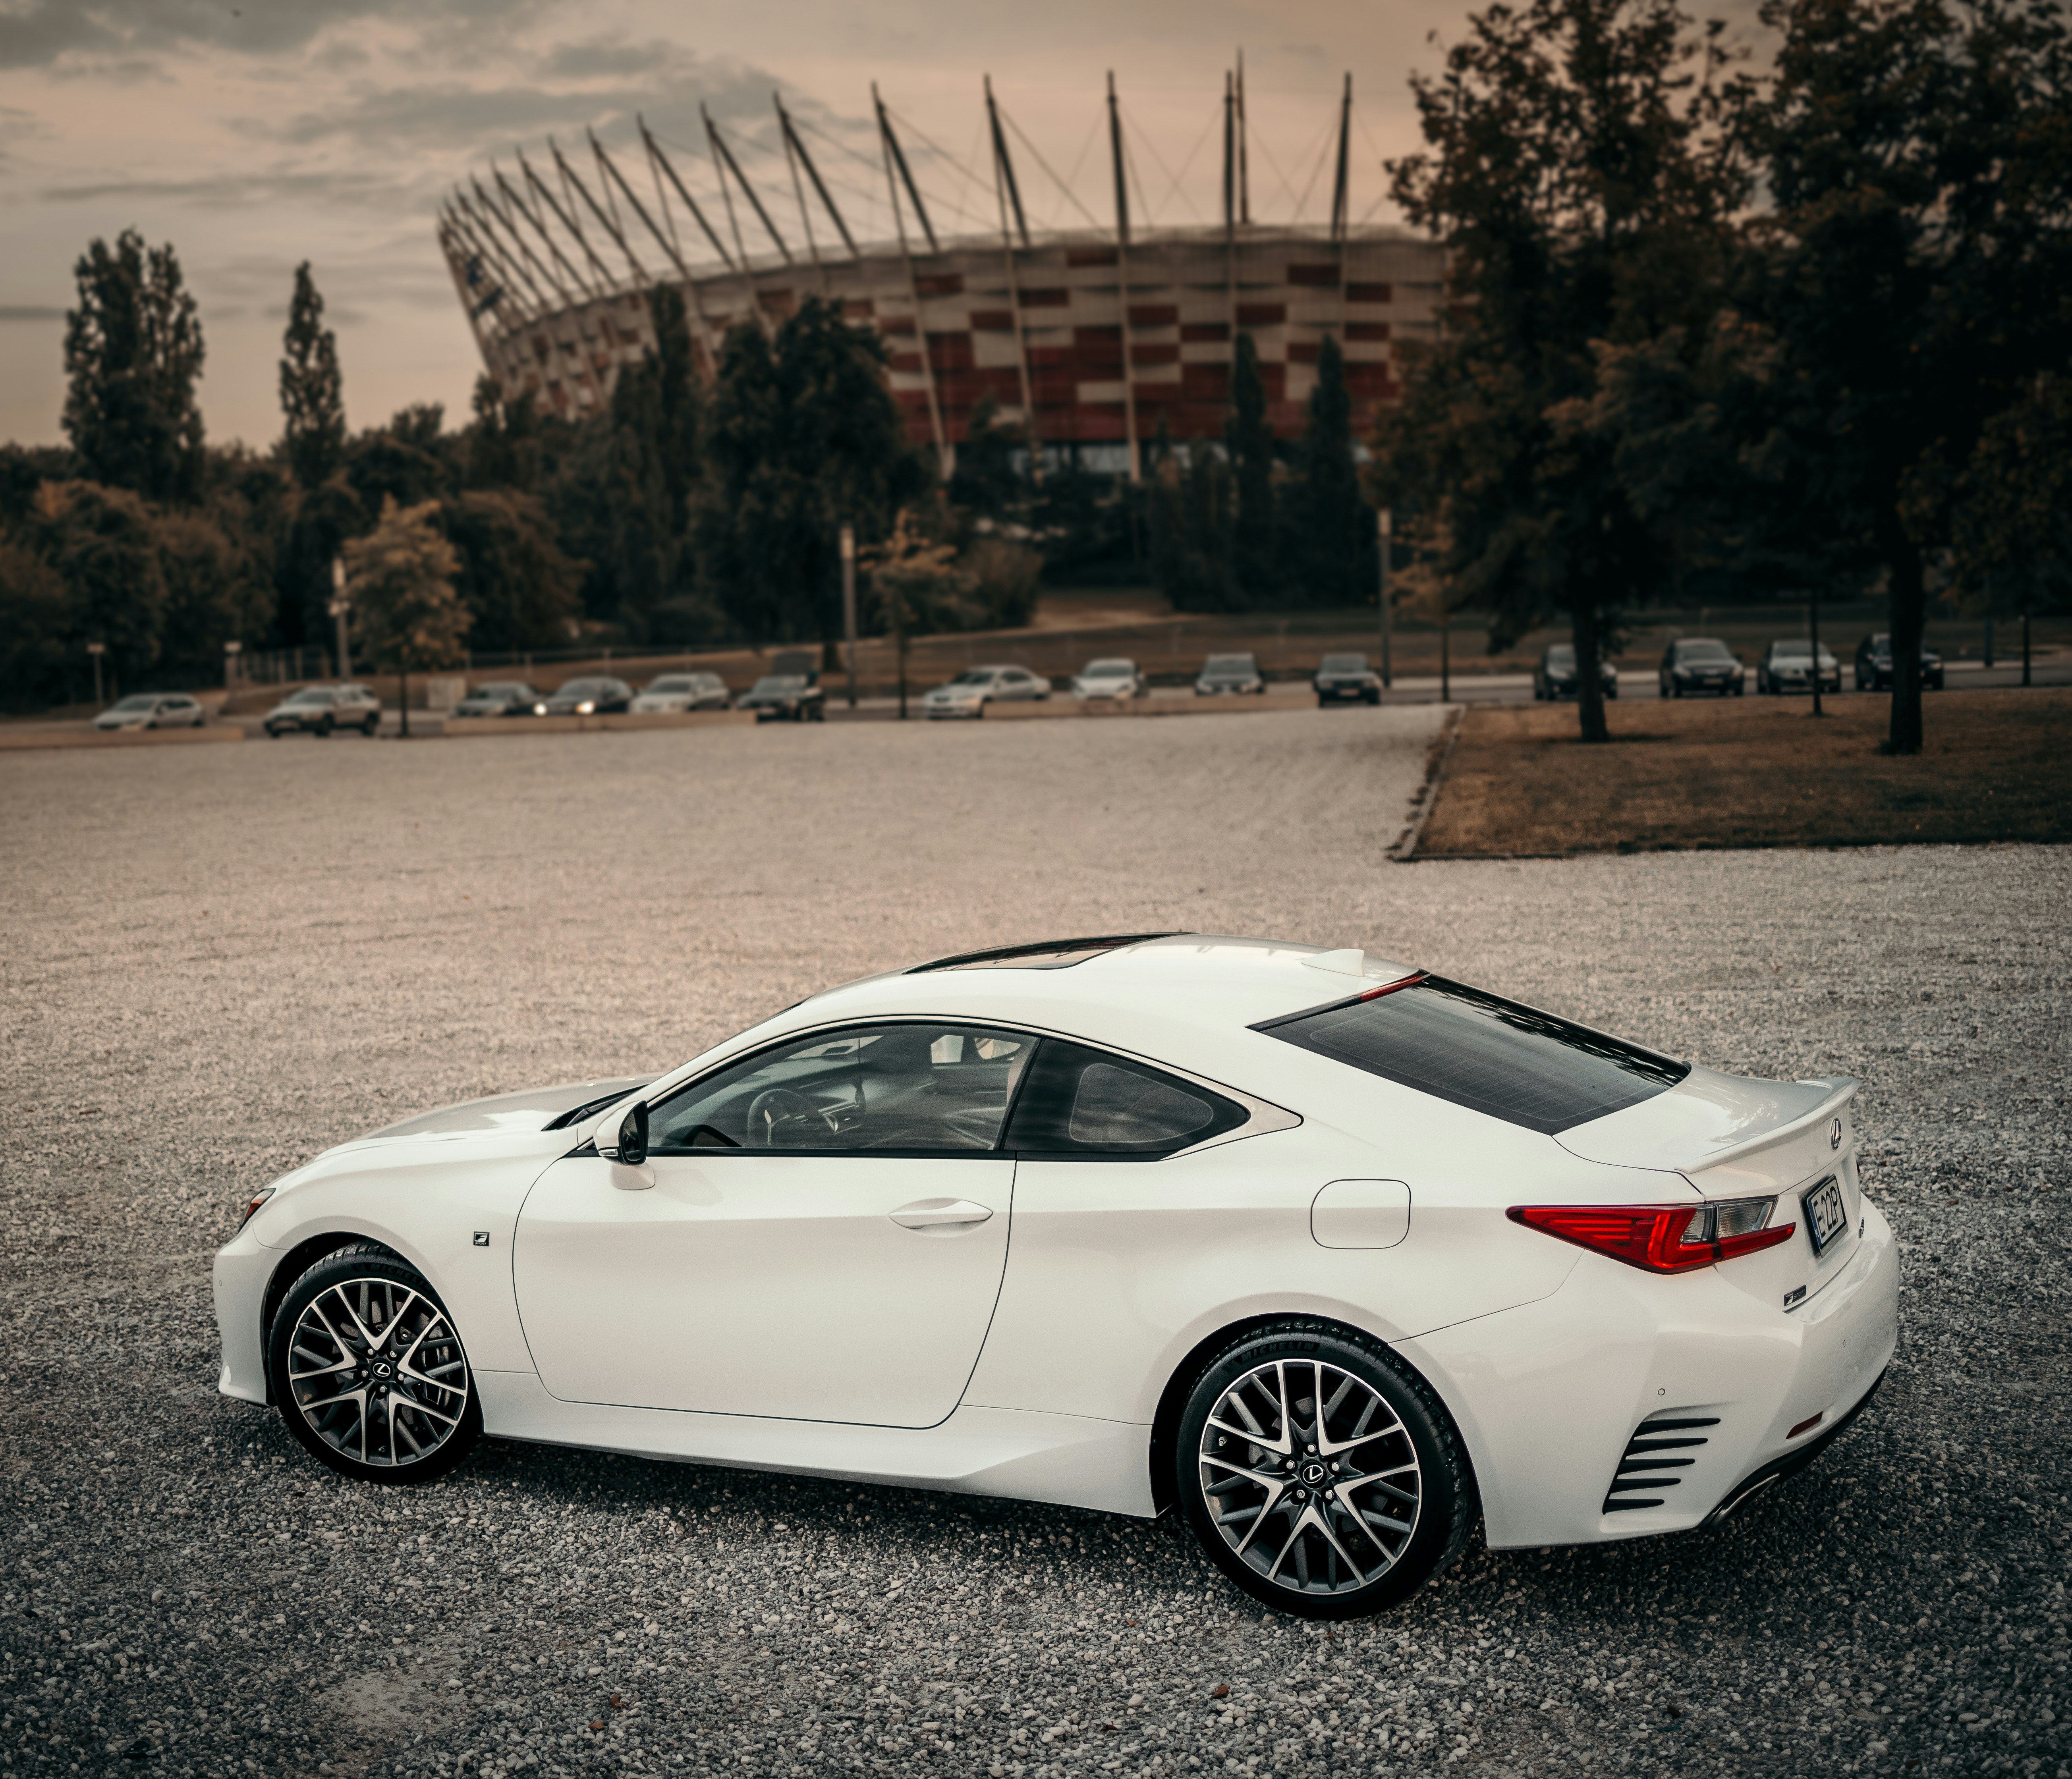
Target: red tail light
(1661,1238)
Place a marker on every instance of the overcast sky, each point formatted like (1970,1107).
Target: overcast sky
(255,133)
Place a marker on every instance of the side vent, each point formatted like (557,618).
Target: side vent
(1651,1462)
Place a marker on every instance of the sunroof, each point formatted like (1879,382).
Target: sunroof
(1056,954)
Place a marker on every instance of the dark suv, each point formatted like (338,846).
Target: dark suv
(1555,677)
(1342,679)
(1874,665)
(1700,663)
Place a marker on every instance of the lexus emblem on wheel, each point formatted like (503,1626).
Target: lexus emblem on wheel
(1835,1134)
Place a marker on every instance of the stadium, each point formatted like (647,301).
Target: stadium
(1091,336)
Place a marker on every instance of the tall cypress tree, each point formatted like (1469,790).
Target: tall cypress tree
(1249,440)
(1335,543)
(134,353)
(312,394)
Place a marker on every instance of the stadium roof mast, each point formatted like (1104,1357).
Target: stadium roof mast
(1344,146)
(1005,192)
(797,144)
(1122,278)
(889,144)
(666,242)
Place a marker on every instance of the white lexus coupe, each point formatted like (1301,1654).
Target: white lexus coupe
(1329,1255)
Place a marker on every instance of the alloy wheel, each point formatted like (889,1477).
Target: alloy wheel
(1310,1476)
(377,1372)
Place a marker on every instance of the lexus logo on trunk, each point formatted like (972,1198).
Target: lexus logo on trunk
(1835,1134)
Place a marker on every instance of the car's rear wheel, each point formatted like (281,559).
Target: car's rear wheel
(368,1369)
(1321,1474)
(370,725)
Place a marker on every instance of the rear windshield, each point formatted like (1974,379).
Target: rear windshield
(1515,1063)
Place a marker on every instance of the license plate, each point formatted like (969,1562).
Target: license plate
(1825,1218)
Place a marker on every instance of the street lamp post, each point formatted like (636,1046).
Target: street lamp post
(340,605)
(230,651)
(1384,522)
(96,650)
(849,603)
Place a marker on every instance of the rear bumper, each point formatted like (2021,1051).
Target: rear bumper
(1547,1395)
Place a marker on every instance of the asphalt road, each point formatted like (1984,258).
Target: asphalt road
(218,960)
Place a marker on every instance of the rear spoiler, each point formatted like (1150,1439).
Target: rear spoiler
(1787,1154)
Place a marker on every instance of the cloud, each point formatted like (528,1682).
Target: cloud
(38,33)
(237,190)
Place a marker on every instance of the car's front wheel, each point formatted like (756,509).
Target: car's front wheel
(368,1369)
(1321,1474)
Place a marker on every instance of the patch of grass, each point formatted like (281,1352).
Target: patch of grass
(1997,766)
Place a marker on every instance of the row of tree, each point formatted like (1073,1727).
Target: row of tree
(682,514)
(1800,331)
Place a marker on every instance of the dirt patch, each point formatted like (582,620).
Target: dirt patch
(1755,772)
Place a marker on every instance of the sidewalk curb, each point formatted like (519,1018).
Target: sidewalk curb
(1405,851)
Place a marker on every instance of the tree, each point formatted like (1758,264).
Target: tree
(408,616)
(134,353)
(503,440)
(985,480)
(214,593)
(520,591)
(102,544)
(805,437)
(1576,168)
(1249,439)
(2012,526)
(1336,542)
(1191,523)
(311,392)
(1915,263)
(409,460)
(36,655)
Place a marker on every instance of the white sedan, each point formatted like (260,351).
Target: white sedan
(1116,677)
(1332,1256)
(675,693)
(154,710)
(973,690)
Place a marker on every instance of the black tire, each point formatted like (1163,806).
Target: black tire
(1441,1517)
(370,726)
(324,727)
(444,1407)
(273,734)
(1374,697)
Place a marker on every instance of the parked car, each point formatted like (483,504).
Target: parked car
(1701,663)
(318,710)
(153,710)
(973,690)
(1235,673)
(586,697)
(1874,664)
(786,698)
(499,698)
(1346,679)
(1555,675)
(676,692)
(1113,676)
(1787,666)
(1121,1224)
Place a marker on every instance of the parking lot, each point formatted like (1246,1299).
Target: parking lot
(219,959)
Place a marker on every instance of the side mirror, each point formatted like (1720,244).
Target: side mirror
(633,1135)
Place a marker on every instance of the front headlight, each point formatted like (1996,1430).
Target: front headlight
(587,708)
(538,710)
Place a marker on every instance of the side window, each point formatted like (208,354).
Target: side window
(1084,1103)
(914,1089)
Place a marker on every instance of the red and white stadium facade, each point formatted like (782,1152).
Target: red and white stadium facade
(1094,337)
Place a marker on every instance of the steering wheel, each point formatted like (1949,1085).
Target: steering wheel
(779,1119)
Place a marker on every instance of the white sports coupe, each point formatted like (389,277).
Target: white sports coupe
(1331,1256)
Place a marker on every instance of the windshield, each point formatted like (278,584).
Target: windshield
(1705,651)
(1228,664)
(311,695)
(677,685)
(1343,663)
(1108,670)
(583,688)
(1562,654)
(142,701)
(1783,649)
(973,676)
(781,682)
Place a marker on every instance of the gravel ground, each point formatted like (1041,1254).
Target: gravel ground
(218,960)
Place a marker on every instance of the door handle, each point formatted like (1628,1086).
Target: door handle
(938,1212)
